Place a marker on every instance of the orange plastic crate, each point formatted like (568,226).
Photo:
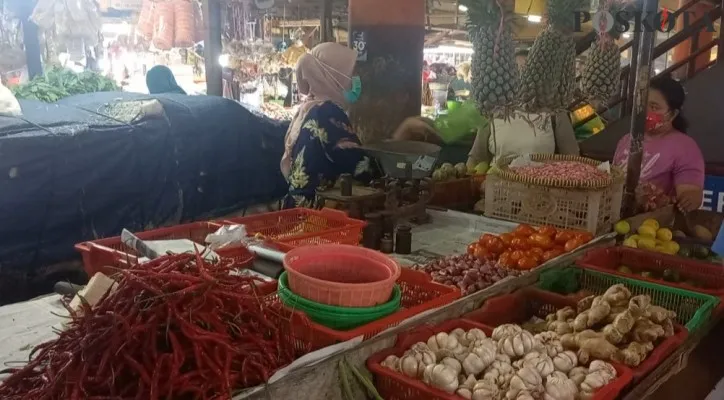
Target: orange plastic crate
(111,251)
(396,386)
(419,294)
(303,226)
(521,305)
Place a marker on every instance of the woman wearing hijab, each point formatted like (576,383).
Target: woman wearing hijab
(320,144)
(160,80)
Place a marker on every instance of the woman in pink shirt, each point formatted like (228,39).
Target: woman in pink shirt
(672,161)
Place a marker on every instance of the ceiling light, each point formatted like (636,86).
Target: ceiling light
(463,8)
(535,19)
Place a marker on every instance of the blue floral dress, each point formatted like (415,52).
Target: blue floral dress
(326,148)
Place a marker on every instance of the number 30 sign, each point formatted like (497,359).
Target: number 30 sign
(359,43)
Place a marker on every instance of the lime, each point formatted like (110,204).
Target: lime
(622,227)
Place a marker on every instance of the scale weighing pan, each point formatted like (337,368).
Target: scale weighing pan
(405,159)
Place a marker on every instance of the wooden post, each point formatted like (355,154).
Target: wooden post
(327,34)
(212,47)
(638,113)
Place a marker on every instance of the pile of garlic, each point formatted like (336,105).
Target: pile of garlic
(512,364)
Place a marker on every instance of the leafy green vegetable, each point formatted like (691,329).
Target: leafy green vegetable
(58,83)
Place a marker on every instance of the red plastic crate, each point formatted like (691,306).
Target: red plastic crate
(519,306)
(419,294)
(303,226)
(102,253)
(608,259)
(396,386)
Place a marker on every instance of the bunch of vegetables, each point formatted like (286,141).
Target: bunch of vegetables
(58,83)
(512,363)
(571,170)
(526,247)
(177,327)
(448,171)
(615,326)
(467,272)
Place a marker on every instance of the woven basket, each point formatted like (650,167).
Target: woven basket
(507,174)
(588,206)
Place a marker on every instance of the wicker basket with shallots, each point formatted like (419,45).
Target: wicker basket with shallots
(564,191)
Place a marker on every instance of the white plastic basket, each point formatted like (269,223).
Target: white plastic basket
(592,210)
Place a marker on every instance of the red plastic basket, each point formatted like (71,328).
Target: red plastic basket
(608,259)
(102,253)
(519,306)
(396,386)
(419,294)
(303,226)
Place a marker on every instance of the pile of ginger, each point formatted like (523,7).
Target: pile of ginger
(615,326)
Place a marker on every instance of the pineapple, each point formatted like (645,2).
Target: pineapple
(548,80)
(601,76)
(494,72)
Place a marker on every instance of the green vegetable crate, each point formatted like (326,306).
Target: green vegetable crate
(692,309)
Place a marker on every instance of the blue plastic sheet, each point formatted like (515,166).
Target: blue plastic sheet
(69,173)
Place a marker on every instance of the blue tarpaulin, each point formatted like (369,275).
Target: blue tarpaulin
(70,173)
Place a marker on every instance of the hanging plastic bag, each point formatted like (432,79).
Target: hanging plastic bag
(8,103)
(460,123)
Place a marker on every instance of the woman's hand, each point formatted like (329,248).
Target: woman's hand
(688,197)
(418,129)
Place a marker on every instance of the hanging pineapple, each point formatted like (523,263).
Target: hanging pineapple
(493,69)
(601,76)
(548,79)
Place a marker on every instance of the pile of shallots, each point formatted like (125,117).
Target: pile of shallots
(512,364)
(467,272)
(571,170)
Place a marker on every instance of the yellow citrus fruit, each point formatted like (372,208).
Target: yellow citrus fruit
(622,227)
(647,243)
(647,231)
(652,222)
(635,237)
(664,234)
(660,249)
(630,243)
(671,247)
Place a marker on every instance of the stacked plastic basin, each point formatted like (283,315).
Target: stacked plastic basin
(340,286)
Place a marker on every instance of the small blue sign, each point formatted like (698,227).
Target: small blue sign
(713,193)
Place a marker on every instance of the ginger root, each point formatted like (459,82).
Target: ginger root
(624,322)
(617,295)
(565,313)
(598,348)
(612,334)
(634,354)
(585,303)
(646,331)
(659,314)
(599,310)
(668,326)
(639,305)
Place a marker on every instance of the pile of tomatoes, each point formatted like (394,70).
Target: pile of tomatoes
(527,247)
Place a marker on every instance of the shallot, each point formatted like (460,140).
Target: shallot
(571,170)
(466,272)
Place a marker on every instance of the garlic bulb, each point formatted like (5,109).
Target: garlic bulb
(594,381)
(473,335)
(423,353)
(392,362)
(474,364)
(524,395)
(442,341)
(551,342)
(565,361)
(452,363)
(541,362)
(499,372)
(458,333)
(559,387)
(603,367)
(465,390)
(485,390)
(505,330)
(518,344)
(441,377)
(578,374)
(412,367)
(526,379)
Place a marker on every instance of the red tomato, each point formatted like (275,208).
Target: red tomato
(472,247)
(516,255)
(519,243)
(496,245)
(523,230)
(584,237)
(537,251)
(541,240)
(548,231)
(506,238)
(481,253)
(527,263)
(551,254)
(563,236)
(485,239)
(573,244)
(506,261)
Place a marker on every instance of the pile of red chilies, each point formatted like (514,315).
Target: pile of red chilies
(177,327)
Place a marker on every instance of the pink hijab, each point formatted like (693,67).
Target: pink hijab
(323,74)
